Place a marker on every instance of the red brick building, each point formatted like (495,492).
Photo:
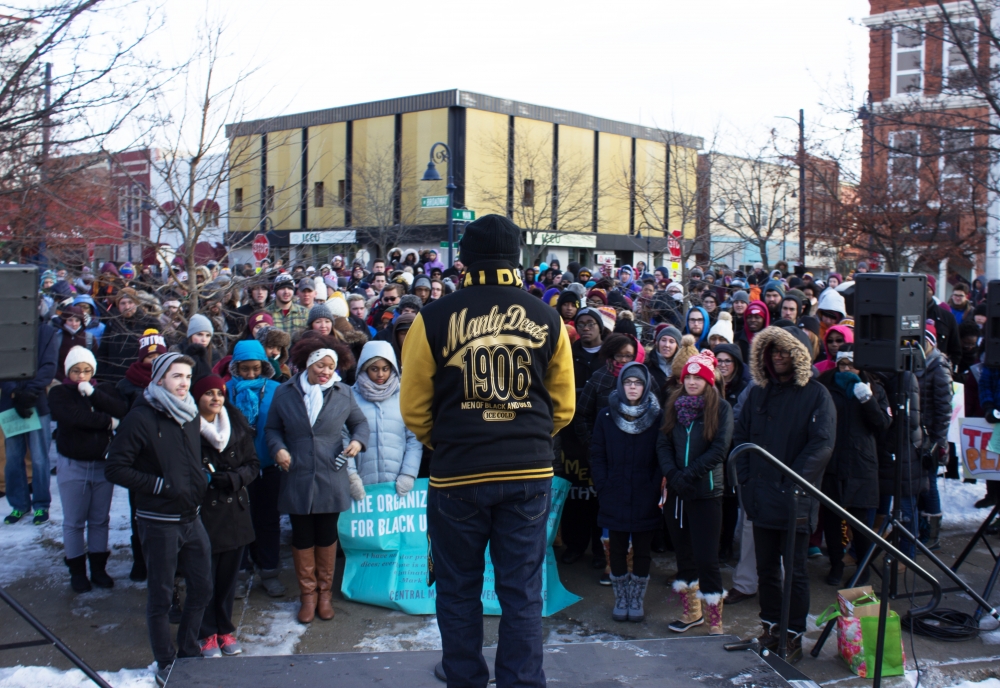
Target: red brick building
(922,198)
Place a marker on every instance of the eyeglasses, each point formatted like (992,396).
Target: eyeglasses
(781,353)
(696,320)
(724,362)
(624,358)
(390,299)
(585,324)
(632,382)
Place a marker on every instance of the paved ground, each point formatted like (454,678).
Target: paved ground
(107,627)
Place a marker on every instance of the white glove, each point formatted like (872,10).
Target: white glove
(357,487)
(86,389)
(995,416)
(404,483)
(114,423)
(862,391)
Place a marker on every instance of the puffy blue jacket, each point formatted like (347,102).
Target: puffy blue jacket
(392,449)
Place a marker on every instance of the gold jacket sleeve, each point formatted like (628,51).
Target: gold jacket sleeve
(559,381)
(417,385)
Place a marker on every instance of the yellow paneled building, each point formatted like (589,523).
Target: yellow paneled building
(334,181)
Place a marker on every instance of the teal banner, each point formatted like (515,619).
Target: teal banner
(384,537)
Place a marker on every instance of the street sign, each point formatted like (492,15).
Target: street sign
(463,215)
(434,202)
(675,247)
(261,247)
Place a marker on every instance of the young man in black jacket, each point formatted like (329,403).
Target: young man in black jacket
(791,415)
(157,453)
(488,381)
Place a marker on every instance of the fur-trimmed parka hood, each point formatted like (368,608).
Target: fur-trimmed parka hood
(776,336)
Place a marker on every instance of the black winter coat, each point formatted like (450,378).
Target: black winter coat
(594,398)
(626,476)
(161,461)
(795,421)
(84,423)
(851,477)
(935,398)
(584,365)
(225,509)
(130,391)
(948,341)
(692,464)
(912,473)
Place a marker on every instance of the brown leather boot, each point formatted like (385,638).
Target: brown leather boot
(305,571)
(326,564)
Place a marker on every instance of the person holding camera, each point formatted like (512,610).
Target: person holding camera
(303,431)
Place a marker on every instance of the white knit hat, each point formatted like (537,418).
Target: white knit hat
(338,306)
(723,327)
(79,354)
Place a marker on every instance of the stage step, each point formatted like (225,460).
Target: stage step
(663,663)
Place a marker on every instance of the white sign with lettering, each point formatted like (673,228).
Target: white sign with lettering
(344,236)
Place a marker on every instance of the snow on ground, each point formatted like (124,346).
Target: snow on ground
(33,677)
(277,632)
(957,504)
(402,637)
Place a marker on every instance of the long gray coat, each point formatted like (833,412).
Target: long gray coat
(311,485)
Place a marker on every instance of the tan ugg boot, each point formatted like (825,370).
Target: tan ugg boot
(713,601)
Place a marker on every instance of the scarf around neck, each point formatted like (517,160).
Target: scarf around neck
(373,392)
(181,410)
(314,395)
(633,419)
(218,431)
(688,408)
(139,373)
(246,396)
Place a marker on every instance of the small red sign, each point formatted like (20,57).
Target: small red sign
(261,247)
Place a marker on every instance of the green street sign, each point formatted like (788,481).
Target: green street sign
(434,202)
(463,215)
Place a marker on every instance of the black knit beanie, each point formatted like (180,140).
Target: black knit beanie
(491,237)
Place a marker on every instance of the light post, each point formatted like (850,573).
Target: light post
(801,157)
(432,175)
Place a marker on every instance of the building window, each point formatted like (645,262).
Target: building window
(763,214)
(904,165)
(318,194)
(956,160)
(907,61)
(957,74)
(528,194)
(341,191)
(737,213)
(720,210)
(269,200)
(238,200)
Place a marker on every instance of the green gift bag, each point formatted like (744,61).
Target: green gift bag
(857,640)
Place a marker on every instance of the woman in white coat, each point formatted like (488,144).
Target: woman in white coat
(393,452)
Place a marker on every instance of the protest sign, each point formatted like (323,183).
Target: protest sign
(384,537)
(977,460)
(12,424)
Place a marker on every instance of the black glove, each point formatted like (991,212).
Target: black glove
(681,484)
(224,481)
(991,414)
(25,402)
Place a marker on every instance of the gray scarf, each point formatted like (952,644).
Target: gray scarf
(633,419)
(373,392)
(181,410)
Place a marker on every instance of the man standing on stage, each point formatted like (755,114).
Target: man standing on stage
(488,381)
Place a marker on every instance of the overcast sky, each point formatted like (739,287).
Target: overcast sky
(687,66)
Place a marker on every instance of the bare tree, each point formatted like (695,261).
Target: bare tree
(543,196)
(65,89)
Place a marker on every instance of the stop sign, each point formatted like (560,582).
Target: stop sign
(261,247)
(674,243)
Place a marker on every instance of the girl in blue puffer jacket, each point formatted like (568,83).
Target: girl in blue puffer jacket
(393,452)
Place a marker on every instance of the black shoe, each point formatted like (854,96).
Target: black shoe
(836,574)
(78,573)
(793,647)
(605,579)
(162,674)
(175,612)
(598,562)
(571,556)
(735,596)
(987,502)
(98,576)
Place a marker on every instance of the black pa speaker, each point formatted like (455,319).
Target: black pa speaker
(18,321)
(890,310)
(993,324)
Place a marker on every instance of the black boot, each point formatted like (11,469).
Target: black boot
(98,576)
(836,573)
(175,612)
(138,572)
(78,573)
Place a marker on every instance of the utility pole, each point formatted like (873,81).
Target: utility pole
(43,259)
(993,193)
(802,189)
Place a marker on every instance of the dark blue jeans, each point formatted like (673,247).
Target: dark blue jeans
(908,509)
(511,518)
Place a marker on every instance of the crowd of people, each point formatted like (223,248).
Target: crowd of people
(220,418)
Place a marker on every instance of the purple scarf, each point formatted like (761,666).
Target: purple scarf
(688,409)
